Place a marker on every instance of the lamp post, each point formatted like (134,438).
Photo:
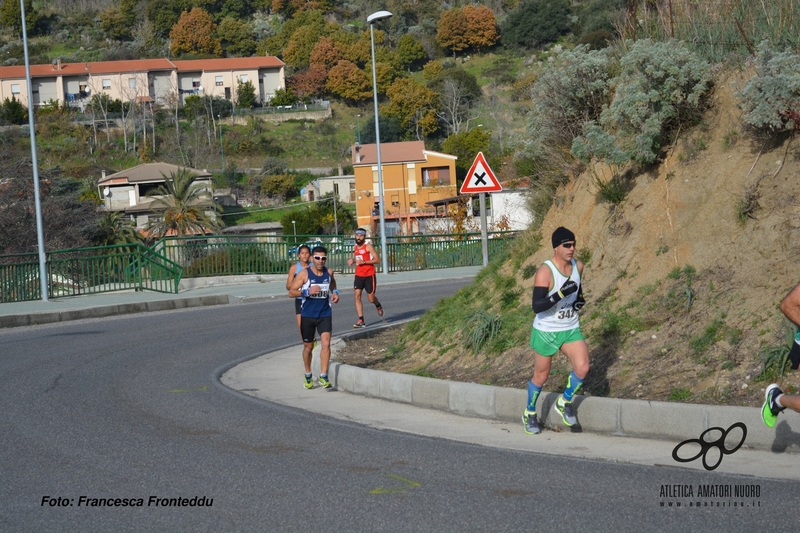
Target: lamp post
(359,128)
(372,19)
(221,148)
(294,230)
(43,285)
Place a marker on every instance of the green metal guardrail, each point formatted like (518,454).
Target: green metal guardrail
(160,269)
(273,254)
(88,271)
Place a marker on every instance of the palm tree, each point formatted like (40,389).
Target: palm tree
(114,229)
(184,207)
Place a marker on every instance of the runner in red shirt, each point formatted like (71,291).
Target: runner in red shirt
(365,258)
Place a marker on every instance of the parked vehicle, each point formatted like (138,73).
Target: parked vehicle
(310,244)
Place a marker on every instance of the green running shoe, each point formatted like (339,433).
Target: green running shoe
(323,382)
(770,409)
(530,423)
(308,381)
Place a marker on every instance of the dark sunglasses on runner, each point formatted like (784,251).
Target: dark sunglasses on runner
(320,258)
(568,244)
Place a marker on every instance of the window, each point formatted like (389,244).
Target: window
(15,88)
(243,78)
(336,189)
(195,84)
(106,85)
(431,177)
(218,81)
(395,200)
(132,83)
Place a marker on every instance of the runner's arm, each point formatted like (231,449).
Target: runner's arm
(289,280)
(294,290)
(790,306)
(375,257)
(333,289)
(541,286)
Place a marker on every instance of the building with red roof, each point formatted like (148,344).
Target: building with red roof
(162,81)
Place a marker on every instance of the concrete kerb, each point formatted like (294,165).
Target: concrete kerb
(47,317)
(609,416)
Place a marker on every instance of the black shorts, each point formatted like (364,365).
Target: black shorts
(310,326)
(298,305)
(366,283)
(794,355)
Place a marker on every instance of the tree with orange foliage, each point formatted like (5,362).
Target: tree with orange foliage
(482,27)
(194,34)
(348,81)
(326,53)
(452,30)
(310,82)
(469,27)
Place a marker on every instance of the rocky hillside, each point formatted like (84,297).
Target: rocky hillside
(683,277)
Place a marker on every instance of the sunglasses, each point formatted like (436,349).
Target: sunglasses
(320,258)
(568,245)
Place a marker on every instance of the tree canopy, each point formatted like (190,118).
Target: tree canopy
(194,34)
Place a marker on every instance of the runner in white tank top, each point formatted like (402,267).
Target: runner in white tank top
(557,297)
(562,316)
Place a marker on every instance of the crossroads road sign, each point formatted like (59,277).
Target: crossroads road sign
(480,178)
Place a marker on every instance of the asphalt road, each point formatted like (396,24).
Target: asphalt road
(131,407)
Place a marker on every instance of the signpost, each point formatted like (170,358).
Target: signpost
(480,179)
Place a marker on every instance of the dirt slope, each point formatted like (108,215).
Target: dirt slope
(682,295)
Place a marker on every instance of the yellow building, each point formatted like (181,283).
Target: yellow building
(412,177)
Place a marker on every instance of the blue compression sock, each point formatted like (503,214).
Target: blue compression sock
(573,384)
(533,395)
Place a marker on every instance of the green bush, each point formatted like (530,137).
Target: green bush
(597,40)
(13,112)
(534,23)
(771,98)
(232,260)
(570,91)
(660,86)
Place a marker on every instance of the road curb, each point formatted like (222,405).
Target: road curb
(48,317)
(610,416)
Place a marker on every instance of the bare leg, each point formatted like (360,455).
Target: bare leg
(325,352)
(541,369)
(578,354)
(359,306)
(307,347)
(790,401)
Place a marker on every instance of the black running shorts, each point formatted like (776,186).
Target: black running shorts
(310,326)
(366,283)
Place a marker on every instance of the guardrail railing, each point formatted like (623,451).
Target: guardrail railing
(88,271)
(221,255)
(160,268)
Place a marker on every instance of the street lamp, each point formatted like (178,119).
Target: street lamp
(43,285)
(294,230)
(372,19)
(359,128)
(221,148)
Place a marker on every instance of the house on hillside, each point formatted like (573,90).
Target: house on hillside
(506,210)
(344,187)
(160,81)
(127,191)
(412,177)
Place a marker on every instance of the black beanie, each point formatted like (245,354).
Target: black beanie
(562,235)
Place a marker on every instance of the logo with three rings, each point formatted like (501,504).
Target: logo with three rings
(706,446)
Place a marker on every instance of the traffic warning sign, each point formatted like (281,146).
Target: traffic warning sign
(480,178)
